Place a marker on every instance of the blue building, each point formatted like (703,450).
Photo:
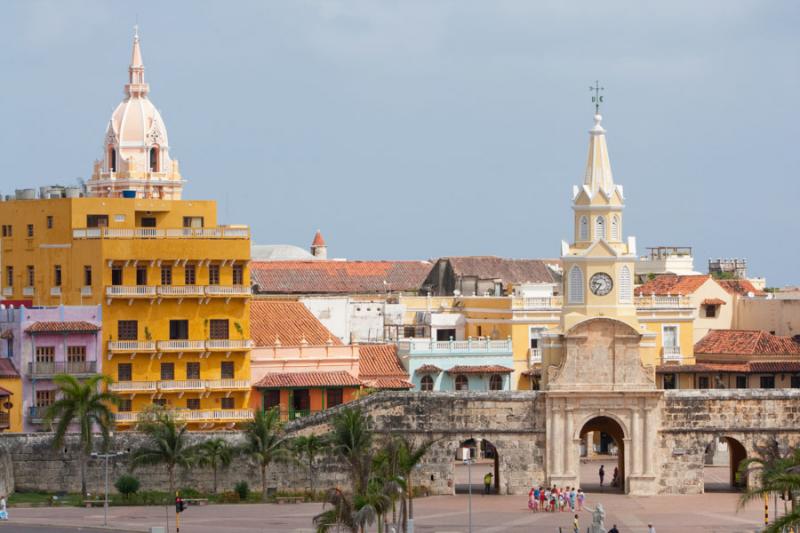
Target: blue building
(477,365)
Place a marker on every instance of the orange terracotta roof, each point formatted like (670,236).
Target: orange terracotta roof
(5,392)
(318,240)
(337,277)
(480,369)
(74,326)
(428,369)
(7,369)
(776,366)
(745,342)
(738,368)
(288,321)
(380,361)
(389,383)
(713,301)
(672,284)
(742,287)
(338,378)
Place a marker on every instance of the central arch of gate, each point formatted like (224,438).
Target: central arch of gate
(602,385)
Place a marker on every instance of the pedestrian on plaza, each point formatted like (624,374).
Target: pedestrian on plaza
(576,528)
(572,499)
(3,511)
(613,529)
(581,499)
(615,477)
(602,474)
(650,528)
(487,483)
(533,499)
(543,498)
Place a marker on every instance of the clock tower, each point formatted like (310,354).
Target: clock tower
(599,263)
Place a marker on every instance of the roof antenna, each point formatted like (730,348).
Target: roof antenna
(597,99)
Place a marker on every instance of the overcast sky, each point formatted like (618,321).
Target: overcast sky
(418,129)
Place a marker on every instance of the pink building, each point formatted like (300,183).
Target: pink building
(45,341)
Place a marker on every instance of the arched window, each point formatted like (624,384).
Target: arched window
(575,288)
(583,229)
(496,382)
(599,228)
(112,159)
(462,383)
(426,383)
(625,286)
(615,228)
(154,159)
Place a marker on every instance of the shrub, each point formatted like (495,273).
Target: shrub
(188,492)
(229,497)
(242,489)
(127,485)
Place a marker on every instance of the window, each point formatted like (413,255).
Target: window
(625,285)
(599,228)
(711,311)
(148,222)
(57,276)
(45,354)
(741,382)
(128,330)
(154,159)
(795,381)
(192,222)
(272,398)
(45,398)
(31,276)
(124,372)
(615,228)
(116,275)
(160,402)
(226,370)
(166,275)
(583,229)
(7,230)
(238,275)
(192,370)
(226,403)
(767,382)
(167,371)
(189,275)
(669,381)
(334,397)
(178,330)
(426,383)
(87,275)
(96,221)
(141,275)
(193,403)
(125,405)
(702,382)
(49,222)
(9,276)
(534,335)
(112,160)
(496,382)
(462,382)
(213,274)
(218,328)
(670,336)
(76,354)
(30,230)
(575,289)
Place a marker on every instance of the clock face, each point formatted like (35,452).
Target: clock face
(601,284)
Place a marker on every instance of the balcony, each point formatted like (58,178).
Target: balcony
(671,354)
(181,346)
(534,356)
(28,291)
(134,386)
(5,420)
(538,303)
(429,347)
(662,301)
(220,232)
(37,415)
(86,291)
(8,292)
(131,346)
(213,415)
(228,291)
(228,344)
(55,291)
(75,368)
(182,385)
(181,291)
(227,384)
(130,291)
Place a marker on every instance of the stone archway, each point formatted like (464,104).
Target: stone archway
(604,425)
(485,459)
(721,459)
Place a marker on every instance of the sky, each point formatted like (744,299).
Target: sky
(419,129)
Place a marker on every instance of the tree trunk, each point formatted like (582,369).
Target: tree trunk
(83,474)
(409,512)
(171,480)
(264,483)
(215,479)
(311,475)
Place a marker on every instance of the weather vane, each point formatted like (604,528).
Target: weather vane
(597,99)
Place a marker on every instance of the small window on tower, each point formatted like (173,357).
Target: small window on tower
(154,167)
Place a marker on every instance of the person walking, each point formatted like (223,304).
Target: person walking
(576,528)
(533,499)
(602,474)
(581,499)
(543,499)
(572,499)
(650,528)
(613,529)
(615,477)
(487,483)
(3,510)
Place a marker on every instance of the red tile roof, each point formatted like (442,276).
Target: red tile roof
(389,383)
(745,342)
(73,326)
(671,284)
(379,361)
(742,287)
(337,277)
(428,369)
(738,368)
(713,301)
(776,366)
(480,369)
(338,378)
(288,321)
(318,240)
(7,369)
(513,271)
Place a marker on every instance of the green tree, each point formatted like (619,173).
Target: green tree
(265,442)
(82,403)
(351,439)
(341,514)
(167,444)
(216,453)
(307,448)
(410,457)
(779,476)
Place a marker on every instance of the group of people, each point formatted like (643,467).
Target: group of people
(553,499)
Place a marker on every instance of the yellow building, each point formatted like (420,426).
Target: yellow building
(10,397)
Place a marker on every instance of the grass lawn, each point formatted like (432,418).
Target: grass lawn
(43,499)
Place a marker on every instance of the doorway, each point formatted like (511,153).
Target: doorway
(485,460)
(721,459)
(602,446)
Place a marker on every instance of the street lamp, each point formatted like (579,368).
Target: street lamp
(467,455)
(106,456)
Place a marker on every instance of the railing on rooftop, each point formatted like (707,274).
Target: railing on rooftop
(662,301)
(537,302)
(40,369)
(220,232)
(430,346)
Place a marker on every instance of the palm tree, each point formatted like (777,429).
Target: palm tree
(265,442)
(308,448)
(780,476)
(373,505)
(82,403)
(340,515)
(410,457)
(167,445)
(215,453)
(352,441)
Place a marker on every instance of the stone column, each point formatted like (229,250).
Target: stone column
(636,441)
(648,445)
(569,443)
(557,441)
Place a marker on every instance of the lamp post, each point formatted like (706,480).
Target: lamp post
(106,457)
(468,462)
